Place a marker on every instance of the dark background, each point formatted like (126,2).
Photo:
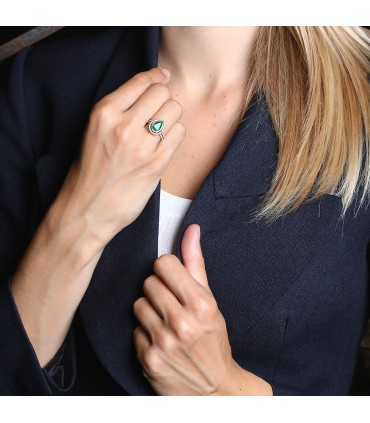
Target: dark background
(361,380)
(10,32)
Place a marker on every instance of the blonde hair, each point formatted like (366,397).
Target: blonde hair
(315,80)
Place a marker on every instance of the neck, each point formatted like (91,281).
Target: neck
(206,59)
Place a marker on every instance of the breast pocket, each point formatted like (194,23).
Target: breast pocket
(251,265)
(258,351)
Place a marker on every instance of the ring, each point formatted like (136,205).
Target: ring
(156,127)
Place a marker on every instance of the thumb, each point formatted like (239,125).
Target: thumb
(192,256)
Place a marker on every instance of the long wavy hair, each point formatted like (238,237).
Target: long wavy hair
(316,83)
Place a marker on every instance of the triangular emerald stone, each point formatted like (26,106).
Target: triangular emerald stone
(157,125)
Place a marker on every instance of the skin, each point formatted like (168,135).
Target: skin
(106,189)
(210,93)
(182,342)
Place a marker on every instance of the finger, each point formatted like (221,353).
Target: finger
(172,272)
(162,298)
(128,93)
(167,147)
(148,318)
(192,255)
(170,112)
(149,103)
(141,341)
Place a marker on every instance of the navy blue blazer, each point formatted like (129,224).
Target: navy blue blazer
(294,293)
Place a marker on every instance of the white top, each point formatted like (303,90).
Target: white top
(172,211)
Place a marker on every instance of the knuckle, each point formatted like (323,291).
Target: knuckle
(136,332)
(180,129)
(175,105)
(154,167)
(204,306)
(143,78)
(139,155)
(160,89)
(164,261)
(138,304)
(164,341)
(122,131)
(101,111)
(151,361)
(148,282)
(183,329)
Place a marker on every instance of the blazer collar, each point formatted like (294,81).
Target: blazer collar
(245,169)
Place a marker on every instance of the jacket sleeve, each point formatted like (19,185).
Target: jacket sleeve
(20,371)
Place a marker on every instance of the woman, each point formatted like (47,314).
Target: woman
(272,299)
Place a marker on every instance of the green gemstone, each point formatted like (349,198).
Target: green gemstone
(157,126)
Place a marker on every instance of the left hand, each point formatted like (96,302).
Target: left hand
(182,342)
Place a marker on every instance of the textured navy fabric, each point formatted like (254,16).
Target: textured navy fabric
(294,293)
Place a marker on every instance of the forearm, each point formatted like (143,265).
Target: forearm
(50,282)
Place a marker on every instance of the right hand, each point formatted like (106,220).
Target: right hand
(107,187)
(120,162)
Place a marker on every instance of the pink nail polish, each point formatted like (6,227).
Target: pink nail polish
(166,72)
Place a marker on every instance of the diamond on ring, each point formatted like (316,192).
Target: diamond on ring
(156,127)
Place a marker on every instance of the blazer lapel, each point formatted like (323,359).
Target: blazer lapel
(249,265)
(245,169)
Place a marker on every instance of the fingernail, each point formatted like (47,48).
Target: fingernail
(166,72)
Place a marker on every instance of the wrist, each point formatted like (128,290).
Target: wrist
(243,382)
(77,238)
(70,220)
